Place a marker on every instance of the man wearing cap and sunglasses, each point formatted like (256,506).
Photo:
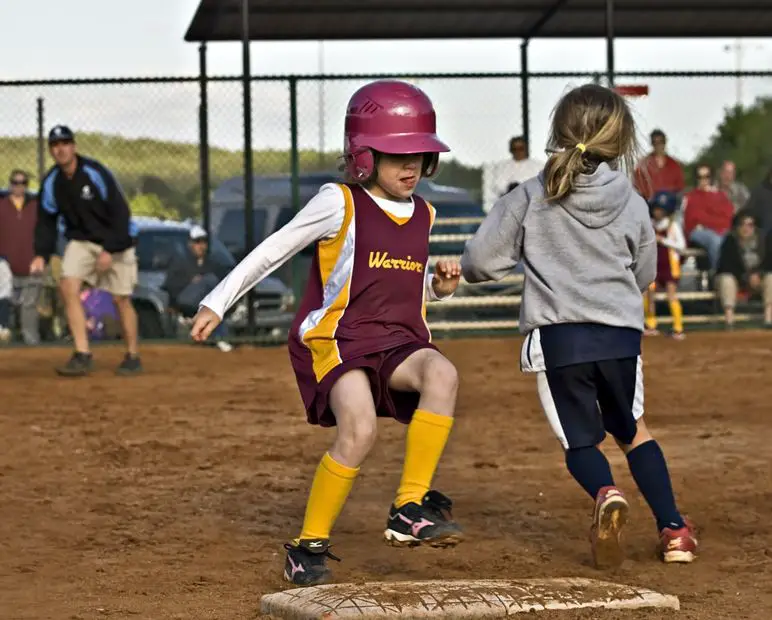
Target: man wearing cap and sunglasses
(18,215)
(99,251)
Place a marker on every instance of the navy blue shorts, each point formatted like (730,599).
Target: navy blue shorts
(584,401)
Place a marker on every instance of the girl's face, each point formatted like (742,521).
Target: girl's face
(658,214)
(397,176)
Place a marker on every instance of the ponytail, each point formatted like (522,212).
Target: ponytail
(561,171)
(591,125)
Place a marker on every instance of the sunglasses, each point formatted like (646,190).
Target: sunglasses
(703,176)
(18,181)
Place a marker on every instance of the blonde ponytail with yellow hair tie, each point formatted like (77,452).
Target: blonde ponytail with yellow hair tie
(582,147)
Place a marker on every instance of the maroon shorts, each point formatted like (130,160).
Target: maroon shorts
(379,368)
(664,272)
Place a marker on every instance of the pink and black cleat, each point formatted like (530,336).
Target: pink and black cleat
(609,518)
(306,563)
(678,546)
(429,523)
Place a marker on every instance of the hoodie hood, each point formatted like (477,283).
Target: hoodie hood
(598,198)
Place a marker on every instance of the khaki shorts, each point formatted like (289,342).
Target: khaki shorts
(79,262)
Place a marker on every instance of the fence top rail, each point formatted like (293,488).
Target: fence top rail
(375,76)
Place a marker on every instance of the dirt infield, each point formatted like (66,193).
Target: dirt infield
(170,495)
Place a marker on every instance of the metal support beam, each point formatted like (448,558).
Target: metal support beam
(524,74)
(246,84)
(545,17)
(203,139)
(610,42)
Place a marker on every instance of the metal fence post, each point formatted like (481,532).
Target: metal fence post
(524,79)
(249,206)
(41,139)
(203,139)
(294,171)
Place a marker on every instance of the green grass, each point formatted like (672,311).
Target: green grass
(167,169)
(170,170)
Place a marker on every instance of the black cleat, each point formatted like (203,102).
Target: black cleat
(429,523)
(130,365)
(306,563)
(79,365)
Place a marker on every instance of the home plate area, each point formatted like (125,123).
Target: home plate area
(457,599)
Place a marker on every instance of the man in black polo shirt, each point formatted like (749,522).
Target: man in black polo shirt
(99,247)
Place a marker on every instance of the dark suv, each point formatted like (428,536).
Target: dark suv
(158,243)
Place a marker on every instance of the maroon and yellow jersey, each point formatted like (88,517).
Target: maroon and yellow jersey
(366,290)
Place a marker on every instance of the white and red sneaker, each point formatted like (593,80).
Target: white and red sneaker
(610,516)
(678,546)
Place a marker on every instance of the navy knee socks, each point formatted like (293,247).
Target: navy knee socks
(649,470)
(590,469)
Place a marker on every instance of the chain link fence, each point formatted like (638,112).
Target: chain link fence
(149,132)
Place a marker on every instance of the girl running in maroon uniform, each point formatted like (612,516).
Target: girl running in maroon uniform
(360,345)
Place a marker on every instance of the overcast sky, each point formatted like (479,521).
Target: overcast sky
(94,38)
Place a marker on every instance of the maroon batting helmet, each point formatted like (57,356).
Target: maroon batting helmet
(391,117)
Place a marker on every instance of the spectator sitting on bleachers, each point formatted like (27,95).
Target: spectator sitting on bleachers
(191,277)
(707,215)
(728,183)
(760,204)
(658,171)
(745,267)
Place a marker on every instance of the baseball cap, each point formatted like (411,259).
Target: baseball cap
(61,133)
(197,233)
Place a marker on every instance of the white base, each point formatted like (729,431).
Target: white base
(457,599)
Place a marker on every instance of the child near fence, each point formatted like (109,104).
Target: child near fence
(670,246)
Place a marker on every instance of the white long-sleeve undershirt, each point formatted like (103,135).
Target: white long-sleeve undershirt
(321,218)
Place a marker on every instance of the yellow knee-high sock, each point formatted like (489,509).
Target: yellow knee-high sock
(677,312)
(331,486)
(649,309)
(427,435)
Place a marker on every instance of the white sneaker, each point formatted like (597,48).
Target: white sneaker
(225,347)
(5,335)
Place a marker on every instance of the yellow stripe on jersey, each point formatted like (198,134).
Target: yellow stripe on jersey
(432,215)
(675,263)
(396,219)
(336,265)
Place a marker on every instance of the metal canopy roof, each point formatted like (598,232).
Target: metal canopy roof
(303,20)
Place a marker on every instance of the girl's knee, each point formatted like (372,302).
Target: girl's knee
(440,375)
(357,439)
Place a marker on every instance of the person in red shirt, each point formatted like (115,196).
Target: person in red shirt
(708,214)
(658,172)
(18,216)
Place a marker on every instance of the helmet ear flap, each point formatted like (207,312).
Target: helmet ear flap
(431,165)
(361,165)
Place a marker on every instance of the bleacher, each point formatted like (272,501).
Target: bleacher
(494,306)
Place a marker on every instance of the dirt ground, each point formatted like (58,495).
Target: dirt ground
(170,495)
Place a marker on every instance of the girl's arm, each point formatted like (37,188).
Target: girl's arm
(321,218)
(496,247)
(429,293)
(675,239)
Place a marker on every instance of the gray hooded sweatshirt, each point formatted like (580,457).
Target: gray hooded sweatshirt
(587,258)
